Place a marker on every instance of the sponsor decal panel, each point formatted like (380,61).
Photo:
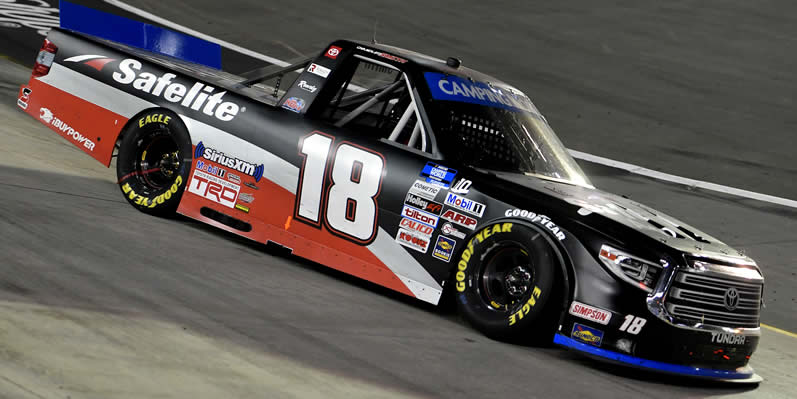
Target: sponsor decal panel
(419,215)
(543,220)
(246,198)
(590,313)
(49,118)
(382,54)
(444,248)
(307,86)
(333,52)
(424,189)
(412,240)
(220,158)
(438,174)
(213,170)
(319,70)
(728,338)
(460,219)
(417,227)
(461,187)
(214,188)
(453,88)
(587,334)
(424,204)
(449,229)
(200,97)
(464,204)
(294,104)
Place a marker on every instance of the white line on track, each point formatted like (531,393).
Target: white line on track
(577,154)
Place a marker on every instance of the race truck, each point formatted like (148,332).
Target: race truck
(415,173)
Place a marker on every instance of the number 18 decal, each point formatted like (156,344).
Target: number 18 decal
(345,196)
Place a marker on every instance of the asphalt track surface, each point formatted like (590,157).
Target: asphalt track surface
(99,300)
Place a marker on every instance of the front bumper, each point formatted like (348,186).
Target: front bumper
(744,374)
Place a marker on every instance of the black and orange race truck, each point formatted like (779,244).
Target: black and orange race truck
(414,173)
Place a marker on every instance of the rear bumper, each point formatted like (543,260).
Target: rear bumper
(740,375)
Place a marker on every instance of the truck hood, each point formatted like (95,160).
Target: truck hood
(657,225)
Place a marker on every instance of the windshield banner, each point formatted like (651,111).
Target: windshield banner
(455,88)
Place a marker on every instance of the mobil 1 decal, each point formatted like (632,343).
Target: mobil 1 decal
(339,186)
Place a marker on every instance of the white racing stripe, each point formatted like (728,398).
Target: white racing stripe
(577,154)
(278,170)
(683,180)
(178,27)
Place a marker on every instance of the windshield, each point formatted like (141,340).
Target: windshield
(497,128)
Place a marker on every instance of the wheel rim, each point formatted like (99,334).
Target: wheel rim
(156,162)
(506,278)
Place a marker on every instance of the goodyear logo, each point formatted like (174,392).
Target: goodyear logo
(586,334)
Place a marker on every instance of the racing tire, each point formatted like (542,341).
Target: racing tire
(505,277)
(153,162)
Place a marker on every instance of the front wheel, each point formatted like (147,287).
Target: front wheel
(505,277)
(154,161)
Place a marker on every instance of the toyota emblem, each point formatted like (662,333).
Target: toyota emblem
(731,298)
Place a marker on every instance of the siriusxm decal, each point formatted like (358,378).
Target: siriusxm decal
(219,157)
(439,175)
(455,88)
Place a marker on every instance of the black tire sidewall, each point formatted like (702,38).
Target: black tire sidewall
(473,308)
(163,201)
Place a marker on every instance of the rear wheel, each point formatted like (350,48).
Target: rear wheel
(154,161)
(505,277)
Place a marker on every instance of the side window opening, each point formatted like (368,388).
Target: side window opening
(376,101)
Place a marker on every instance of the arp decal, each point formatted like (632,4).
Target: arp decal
(590,313)
(220,158)
(541,219)
(460,219)
(213,188)
(464,204)
(587,334)
(444,248)
(438,174)
(424,204)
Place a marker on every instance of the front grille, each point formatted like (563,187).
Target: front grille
(701,298)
